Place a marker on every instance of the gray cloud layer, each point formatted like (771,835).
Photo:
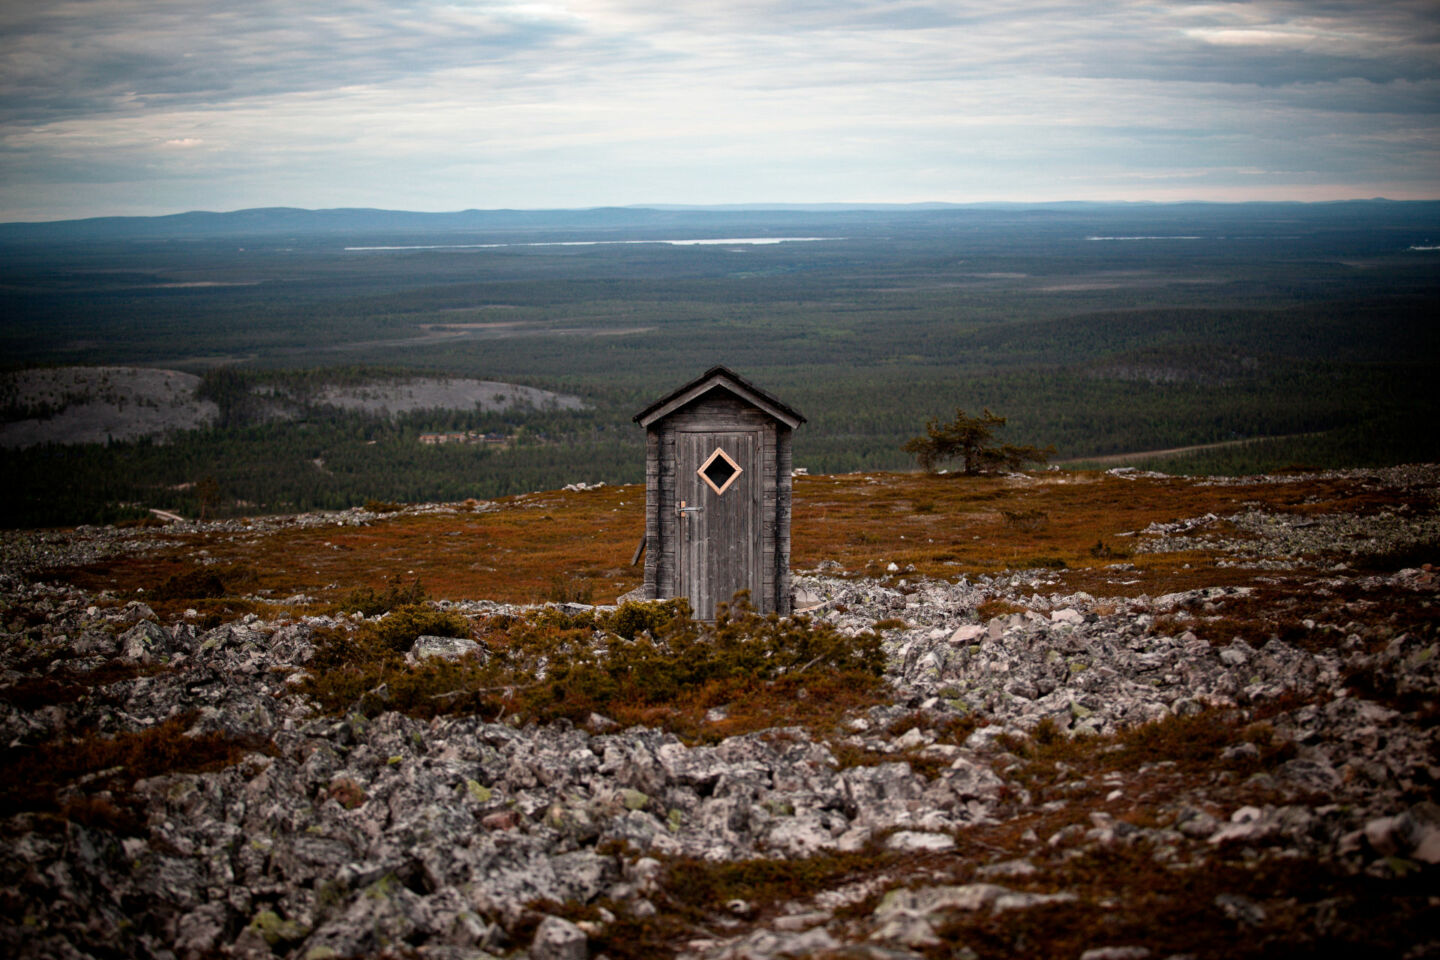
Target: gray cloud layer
(157,105)
(96,56)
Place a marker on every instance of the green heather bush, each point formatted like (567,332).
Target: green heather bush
(339,650)
(190,585)
(555,665)
(570,590)
(402,625)
(369,602)
(36,778)
(654,617)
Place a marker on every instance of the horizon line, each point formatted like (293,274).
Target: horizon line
(752,206)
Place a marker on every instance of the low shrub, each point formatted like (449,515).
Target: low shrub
(400,627)
(338,649)
(1028,520)
(148,520)
(669,670)
(191,585)
(1195,743)
(701,884)
(569,590)
(653,617)
(1389,558)
(31,778)
(347,793)
(991,609)
(65,686)
(1103,551)
(369,602)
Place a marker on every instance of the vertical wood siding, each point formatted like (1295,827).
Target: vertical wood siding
(743,537)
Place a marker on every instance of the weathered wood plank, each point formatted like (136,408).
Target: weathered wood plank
(739,539)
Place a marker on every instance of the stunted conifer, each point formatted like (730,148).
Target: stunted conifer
(972,441)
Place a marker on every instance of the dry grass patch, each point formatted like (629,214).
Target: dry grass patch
(36,778)
(942,728)
(1125,897)
(511,554)
(698,895)
(1195,744)
(1063,521)
(65,686)
(819,703)
(991,609)
(1313,617)
(577,545)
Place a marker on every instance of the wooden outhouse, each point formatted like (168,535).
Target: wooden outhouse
(717,494)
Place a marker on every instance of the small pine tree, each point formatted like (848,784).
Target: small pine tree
(207,495)
(972,440)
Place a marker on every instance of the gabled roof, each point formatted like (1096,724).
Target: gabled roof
(719,378)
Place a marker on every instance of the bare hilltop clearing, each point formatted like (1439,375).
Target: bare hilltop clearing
(1055,714)
(99,404)
(82,404)
(435,393)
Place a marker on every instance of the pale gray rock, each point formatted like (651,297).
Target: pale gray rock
(289,644)
(1241,909)
(801,921)
(967,633)
(559,939)
(94,642)
(801,836)
(202,930)
(1237,654)
(1393,836)
(927,900)
(765,944)
(146,642)
(1196,823)
(1309,774)
(915,840)
(1008,868)
(1024,901)
(911,929)
(448,648)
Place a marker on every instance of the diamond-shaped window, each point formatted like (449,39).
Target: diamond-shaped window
(719,471)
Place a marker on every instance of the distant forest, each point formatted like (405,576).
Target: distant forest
(1100,330)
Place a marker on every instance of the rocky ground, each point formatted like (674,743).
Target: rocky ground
(1221,771)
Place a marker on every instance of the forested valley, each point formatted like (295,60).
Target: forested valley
(1310,329)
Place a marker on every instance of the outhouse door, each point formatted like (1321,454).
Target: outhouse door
(718,481)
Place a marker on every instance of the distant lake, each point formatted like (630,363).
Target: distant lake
(758,241)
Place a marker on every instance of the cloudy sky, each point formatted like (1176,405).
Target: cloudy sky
(160,106)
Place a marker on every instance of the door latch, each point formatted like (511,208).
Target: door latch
(681,510)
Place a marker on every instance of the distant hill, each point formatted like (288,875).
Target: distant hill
(294,221)
(271,221)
